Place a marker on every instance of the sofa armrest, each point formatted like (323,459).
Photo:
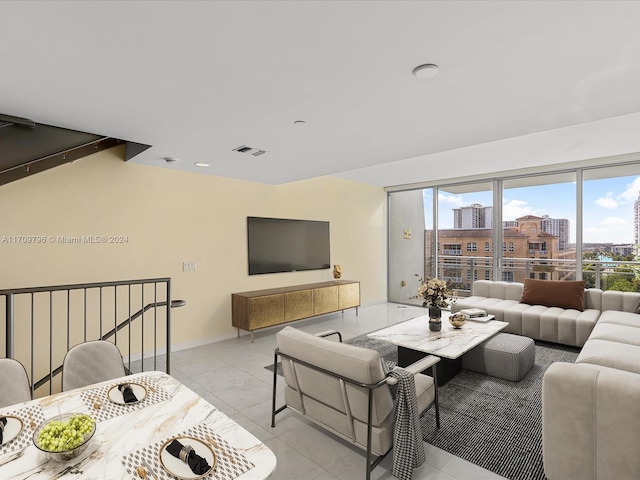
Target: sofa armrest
(590,422)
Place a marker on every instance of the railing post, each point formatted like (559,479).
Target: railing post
(9,326)
(597,269)
(169,327)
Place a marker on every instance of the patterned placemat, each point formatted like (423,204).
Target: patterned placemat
(31,417)
(226,469)
(109,409)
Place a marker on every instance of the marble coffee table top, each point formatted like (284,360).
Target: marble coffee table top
(448,343)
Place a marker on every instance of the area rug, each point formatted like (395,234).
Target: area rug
(492,423)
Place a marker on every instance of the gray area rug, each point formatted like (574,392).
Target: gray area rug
(492,423)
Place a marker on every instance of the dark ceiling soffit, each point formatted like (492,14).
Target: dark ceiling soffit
(27,148)
(132,149)
(12,174)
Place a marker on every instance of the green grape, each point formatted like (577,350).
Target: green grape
(58,436)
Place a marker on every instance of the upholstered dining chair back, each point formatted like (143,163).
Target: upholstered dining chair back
(14,383)
(91,362)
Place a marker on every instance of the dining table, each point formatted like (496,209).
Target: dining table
(130,435)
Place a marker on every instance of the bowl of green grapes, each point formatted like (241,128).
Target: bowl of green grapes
(64,437)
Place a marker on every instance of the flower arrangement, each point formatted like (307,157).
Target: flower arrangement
(434,291)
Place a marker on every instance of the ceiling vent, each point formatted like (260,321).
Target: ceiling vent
(249,150)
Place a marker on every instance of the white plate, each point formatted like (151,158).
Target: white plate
(115,395)
(177,467)
(12,429)
(481,319)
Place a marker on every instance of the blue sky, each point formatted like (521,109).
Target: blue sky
(608,206)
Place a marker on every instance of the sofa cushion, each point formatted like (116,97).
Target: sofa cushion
(607,353)
(593,298)
(499,307)
(554,293)
(621,301)
(616,333)
(466,302)
(474,302)
(620,318)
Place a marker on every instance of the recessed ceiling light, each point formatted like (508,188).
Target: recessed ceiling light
(427,70)
(300,122)
(171,160)
(201,164)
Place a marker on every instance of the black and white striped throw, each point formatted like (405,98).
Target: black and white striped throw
(408,449)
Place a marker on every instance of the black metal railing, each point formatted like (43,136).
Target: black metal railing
(597,273)
(42,323)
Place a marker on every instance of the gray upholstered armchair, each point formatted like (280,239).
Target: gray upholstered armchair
(345,389)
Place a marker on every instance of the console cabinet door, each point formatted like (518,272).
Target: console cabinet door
(325,300)
(266,311)
(349,296)
(298,305)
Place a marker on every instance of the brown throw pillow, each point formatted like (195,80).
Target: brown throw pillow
(554,293)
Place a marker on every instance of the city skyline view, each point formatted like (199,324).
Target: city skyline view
(608,206)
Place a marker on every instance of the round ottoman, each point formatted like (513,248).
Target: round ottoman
(504,355)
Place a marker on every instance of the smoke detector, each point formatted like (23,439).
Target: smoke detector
(249,150)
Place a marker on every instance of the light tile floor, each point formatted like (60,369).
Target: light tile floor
(231,375)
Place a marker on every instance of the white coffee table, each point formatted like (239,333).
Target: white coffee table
(415,341)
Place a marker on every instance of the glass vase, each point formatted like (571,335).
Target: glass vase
(435,318)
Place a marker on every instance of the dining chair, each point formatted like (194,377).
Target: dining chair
(14,383)
(91,362)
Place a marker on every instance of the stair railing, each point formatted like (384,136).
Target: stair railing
(83,312)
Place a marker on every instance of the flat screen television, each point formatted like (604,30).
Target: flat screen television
(282,245)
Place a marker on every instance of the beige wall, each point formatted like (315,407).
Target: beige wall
(170,217)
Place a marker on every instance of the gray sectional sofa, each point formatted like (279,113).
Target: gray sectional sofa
(591,408)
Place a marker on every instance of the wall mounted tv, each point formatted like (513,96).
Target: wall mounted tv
(281,245)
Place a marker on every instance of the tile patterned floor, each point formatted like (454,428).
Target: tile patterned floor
(231,375)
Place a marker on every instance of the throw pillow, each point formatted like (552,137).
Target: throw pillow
(554,293)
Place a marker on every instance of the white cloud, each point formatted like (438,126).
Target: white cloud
(614,221)
(630,195)
(607,202)
(514,208)
(455,200)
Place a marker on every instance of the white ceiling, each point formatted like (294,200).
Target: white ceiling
(198,79)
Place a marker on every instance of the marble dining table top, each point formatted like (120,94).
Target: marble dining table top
(448,343)
(172,410)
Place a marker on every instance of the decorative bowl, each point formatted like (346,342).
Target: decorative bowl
(457,319)
(62,455)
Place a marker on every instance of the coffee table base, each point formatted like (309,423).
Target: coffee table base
(447,368)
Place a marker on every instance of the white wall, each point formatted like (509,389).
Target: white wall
(406,255)
(170,217)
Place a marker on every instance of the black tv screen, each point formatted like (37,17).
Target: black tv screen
(281,245)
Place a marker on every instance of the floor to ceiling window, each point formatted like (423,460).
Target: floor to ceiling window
(539,224)
(465,219)
(611,227)
(582,223)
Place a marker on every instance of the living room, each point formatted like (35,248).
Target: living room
(172,214)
